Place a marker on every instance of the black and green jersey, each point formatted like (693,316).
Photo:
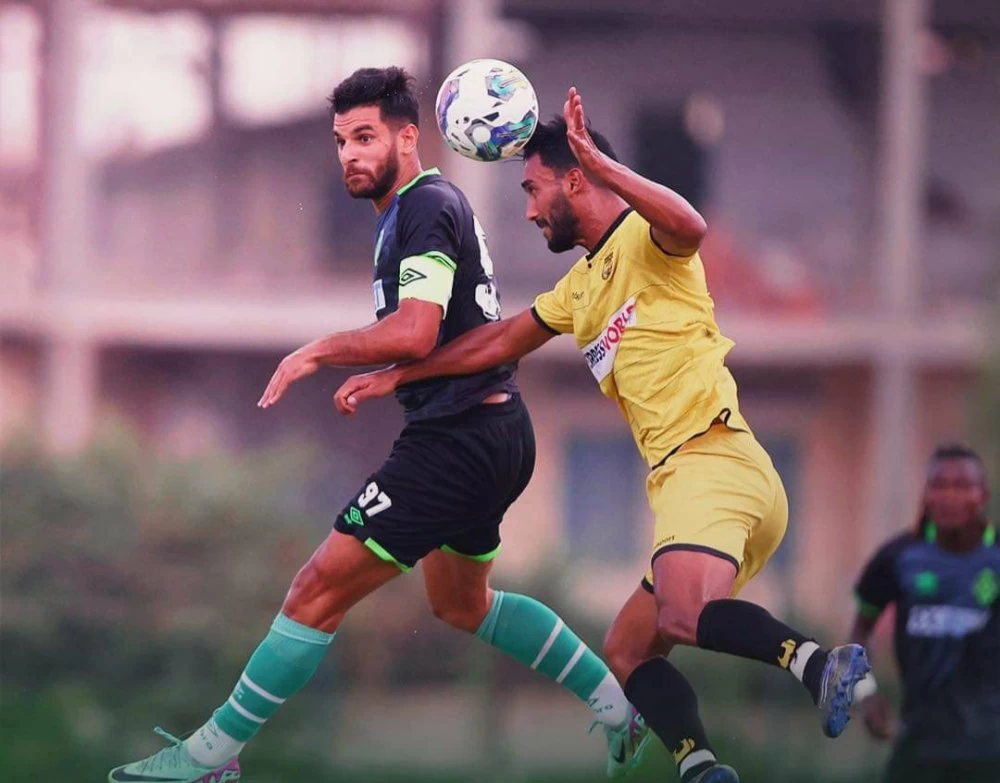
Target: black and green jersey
(430,246)
(947,641)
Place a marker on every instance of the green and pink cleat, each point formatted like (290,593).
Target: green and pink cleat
(174,765)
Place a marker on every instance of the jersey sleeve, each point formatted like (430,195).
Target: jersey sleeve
(429,243)
(673,258)
(877,587)
(553,310)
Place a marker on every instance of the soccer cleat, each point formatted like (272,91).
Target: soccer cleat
(717,773)
(174,765)
(623,743)
(846,666)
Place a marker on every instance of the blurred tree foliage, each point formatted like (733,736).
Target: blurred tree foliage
(134,586)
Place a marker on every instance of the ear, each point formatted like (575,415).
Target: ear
(574,181)
(408,137)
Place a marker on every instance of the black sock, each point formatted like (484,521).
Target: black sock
(668,704)
(749,631)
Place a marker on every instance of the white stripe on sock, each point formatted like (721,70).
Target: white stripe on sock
(572,662)
(800,658)
(244,712)
(260,691)
(548,643)
(693,759)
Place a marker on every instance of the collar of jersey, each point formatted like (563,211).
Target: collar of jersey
(989,535)
(607,234)
(417,179)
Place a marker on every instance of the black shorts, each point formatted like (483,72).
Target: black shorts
(905,767)
(446,485)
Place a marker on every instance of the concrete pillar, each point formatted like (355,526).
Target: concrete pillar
(70,364)
(468,34)
(892,474)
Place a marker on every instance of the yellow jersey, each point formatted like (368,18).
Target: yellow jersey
(645,323)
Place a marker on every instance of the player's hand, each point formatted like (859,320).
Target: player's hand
(593,162)
(878,718)
(358,388)
(293,367)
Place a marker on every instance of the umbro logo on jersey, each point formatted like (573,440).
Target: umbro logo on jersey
(410,276)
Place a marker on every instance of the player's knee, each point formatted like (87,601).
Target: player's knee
(466,613)
(315,579)
(678,624)
(621,654)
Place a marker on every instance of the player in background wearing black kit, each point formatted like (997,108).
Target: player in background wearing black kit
(466,453)
(944,579)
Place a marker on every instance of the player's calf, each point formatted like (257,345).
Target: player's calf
(670,708)
(340,573)
(749,631)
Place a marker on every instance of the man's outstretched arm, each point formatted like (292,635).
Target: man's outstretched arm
(477,350)
(408,333)
(675,226)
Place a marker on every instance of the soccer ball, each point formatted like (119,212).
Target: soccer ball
(486,110)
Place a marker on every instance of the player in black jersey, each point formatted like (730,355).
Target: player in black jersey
(944,579)
(467,451)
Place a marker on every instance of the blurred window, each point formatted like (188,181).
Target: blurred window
(667,152)
(605,497)
(786,456)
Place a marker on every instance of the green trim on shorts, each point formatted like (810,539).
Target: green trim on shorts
(384,554)
(866,609)
(491,555)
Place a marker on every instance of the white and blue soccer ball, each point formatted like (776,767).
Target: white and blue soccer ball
(486,110)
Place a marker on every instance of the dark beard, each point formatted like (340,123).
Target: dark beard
(565,226)
(382,184)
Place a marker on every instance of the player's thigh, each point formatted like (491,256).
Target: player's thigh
(455,583)
(768,529)
(340,573)
(416,501)
(633,636)
(718,495)
(684,581)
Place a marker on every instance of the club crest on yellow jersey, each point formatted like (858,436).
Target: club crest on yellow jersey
(608,268)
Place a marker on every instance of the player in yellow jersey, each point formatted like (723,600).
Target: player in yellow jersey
(639,309)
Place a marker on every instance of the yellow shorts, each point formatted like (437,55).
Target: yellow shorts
(719,493)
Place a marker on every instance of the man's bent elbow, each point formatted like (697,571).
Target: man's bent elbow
(418,346)
(693,232)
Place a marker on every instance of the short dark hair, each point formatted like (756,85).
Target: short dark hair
(944,452)
(550,144)
(947,451)
(391,89)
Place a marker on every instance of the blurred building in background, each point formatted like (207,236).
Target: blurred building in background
(173,222)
